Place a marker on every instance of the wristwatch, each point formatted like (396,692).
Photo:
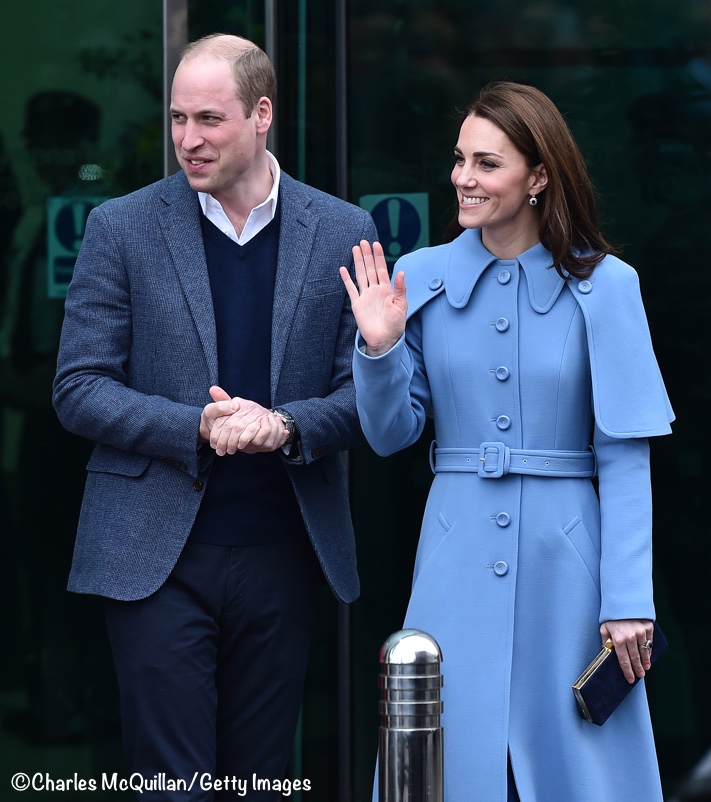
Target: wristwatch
(288,422)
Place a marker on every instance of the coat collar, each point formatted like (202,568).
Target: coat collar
(469,259)
(180,223)
(297,233)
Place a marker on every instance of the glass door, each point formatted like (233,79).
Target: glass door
(82,121)
(634,81)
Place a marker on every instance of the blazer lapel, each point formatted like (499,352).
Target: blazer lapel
(180,223)
(296,243)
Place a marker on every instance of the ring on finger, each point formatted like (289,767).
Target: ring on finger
(646,645)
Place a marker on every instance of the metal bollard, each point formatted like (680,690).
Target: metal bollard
(410,750)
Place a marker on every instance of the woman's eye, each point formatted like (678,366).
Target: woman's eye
(487,165)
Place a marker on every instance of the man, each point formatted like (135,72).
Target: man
(205,522)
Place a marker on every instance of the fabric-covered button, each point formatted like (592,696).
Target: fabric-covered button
(502,324)
(585,286)
(435,283)
(501,568)
(503,519)
(504,277)
(503,421)
(502,373)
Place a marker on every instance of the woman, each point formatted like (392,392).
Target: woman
(528,343)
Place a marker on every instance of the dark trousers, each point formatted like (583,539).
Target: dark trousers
(211,669)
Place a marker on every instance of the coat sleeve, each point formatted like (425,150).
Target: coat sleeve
(392,393)
(92,394)
(625,526)
(392,390)
(630,404)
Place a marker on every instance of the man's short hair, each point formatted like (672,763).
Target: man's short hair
(253,71)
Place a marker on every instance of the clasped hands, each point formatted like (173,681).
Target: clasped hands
(237,424)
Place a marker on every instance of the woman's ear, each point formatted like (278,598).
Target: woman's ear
(539,178)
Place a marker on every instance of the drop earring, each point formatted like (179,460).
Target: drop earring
(533,200)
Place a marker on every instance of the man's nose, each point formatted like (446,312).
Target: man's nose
(192,136)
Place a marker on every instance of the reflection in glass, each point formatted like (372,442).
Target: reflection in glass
(81,122)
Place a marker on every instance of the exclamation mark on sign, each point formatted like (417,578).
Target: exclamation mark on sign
(79,210)
(394,247)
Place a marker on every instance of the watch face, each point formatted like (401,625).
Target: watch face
(288,421)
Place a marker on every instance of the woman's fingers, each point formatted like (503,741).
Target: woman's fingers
(631,637)
(370,265)
(380,263)
(371,269)
(351,288)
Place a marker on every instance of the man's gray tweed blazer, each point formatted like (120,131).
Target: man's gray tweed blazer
(138,355)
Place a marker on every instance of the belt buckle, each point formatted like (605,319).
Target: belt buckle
(493,460)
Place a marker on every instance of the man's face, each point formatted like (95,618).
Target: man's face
(215,143)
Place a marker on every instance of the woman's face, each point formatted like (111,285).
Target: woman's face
(494,182)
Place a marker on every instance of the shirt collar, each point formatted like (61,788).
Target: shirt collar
(260,216)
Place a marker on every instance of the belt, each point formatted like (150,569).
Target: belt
(493,460)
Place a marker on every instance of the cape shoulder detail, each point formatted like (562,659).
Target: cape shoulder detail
(629,396)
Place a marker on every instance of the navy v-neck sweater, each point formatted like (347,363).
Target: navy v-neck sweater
(248,497)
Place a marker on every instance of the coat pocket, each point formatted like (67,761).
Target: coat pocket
(107,459)
(443,522)
(433,535)
(326,285)
(583,543)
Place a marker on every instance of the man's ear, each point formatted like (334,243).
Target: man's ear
(263,114)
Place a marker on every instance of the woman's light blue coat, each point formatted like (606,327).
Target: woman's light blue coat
(506,351)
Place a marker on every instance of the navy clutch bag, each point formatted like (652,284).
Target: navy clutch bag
(602,686)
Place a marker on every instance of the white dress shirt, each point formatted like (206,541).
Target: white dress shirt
(259,217)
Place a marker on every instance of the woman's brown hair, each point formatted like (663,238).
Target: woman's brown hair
(568,219)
